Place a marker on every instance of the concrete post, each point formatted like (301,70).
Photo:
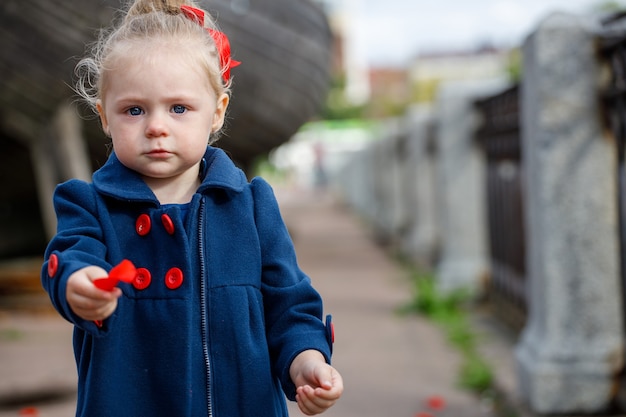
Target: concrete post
(387,188)
(398,153)
(572,346)
(45,171)
(460,181)
(421,240)
(59,155)
(71,148)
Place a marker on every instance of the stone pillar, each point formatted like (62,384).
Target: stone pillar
(46,180)
(398,153)
(386,187)
(421,240)
(572,347)
(354,181)
(460,182)
(58,155)
(71,150)
(365,177)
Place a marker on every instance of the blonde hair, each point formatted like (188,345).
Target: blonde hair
(151,22)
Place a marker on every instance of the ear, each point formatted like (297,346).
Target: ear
(103,117)
(220,112)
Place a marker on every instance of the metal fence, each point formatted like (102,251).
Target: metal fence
(499,137)
(612,49)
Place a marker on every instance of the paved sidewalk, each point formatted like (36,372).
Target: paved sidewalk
(392,365)
(37,368)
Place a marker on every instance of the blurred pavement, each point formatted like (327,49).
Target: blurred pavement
(392,365)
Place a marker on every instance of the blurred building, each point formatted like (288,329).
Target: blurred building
(347,63)
(392,89)
(428,71)
(391,92)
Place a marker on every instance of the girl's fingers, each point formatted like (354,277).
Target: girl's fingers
(314,401)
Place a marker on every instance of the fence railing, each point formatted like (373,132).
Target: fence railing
(499,137)
(612,48)
(529,205)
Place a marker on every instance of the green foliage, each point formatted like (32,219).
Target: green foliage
(10,334)
(448,310)
(385,106)
(264,168)
(476,374)
(608,6)
(514,65)
(425,91)
(337,106)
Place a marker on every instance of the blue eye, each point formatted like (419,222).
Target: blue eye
(179,109)
(135,111)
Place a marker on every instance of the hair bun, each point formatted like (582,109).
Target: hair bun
(139,7)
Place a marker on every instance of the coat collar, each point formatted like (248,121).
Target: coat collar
(120,182)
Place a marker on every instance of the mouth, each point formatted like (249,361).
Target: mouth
(159,153)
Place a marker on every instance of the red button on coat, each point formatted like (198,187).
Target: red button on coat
(142,279)
(168,224)
(53,265)
(143,225)
(174,278)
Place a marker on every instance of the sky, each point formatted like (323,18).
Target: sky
(391,32)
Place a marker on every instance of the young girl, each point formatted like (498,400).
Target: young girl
(217,319)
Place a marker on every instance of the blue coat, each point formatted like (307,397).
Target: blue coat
(217,313)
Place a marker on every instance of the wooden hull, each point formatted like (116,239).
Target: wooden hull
(284,46)
(285,49)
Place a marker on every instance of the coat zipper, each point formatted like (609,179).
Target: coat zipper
(203,309)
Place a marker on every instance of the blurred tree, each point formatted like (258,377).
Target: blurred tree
(426,91)
(514,65)
(337,106)
(608,6)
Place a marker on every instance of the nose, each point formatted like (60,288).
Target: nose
(155,126)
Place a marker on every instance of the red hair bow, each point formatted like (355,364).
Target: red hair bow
(221,41)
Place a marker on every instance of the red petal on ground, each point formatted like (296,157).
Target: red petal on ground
(436,402)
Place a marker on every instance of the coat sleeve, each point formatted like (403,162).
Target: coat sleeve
(77,244)
(293,308)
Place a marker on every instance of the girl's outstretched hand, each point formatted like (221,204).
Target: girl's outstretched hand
(85,299)
(318,385)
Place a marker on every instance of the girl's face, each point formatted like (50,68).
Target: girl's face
(159,110)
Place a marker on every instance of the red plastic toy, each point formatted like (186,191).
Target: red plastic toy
(125,271)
